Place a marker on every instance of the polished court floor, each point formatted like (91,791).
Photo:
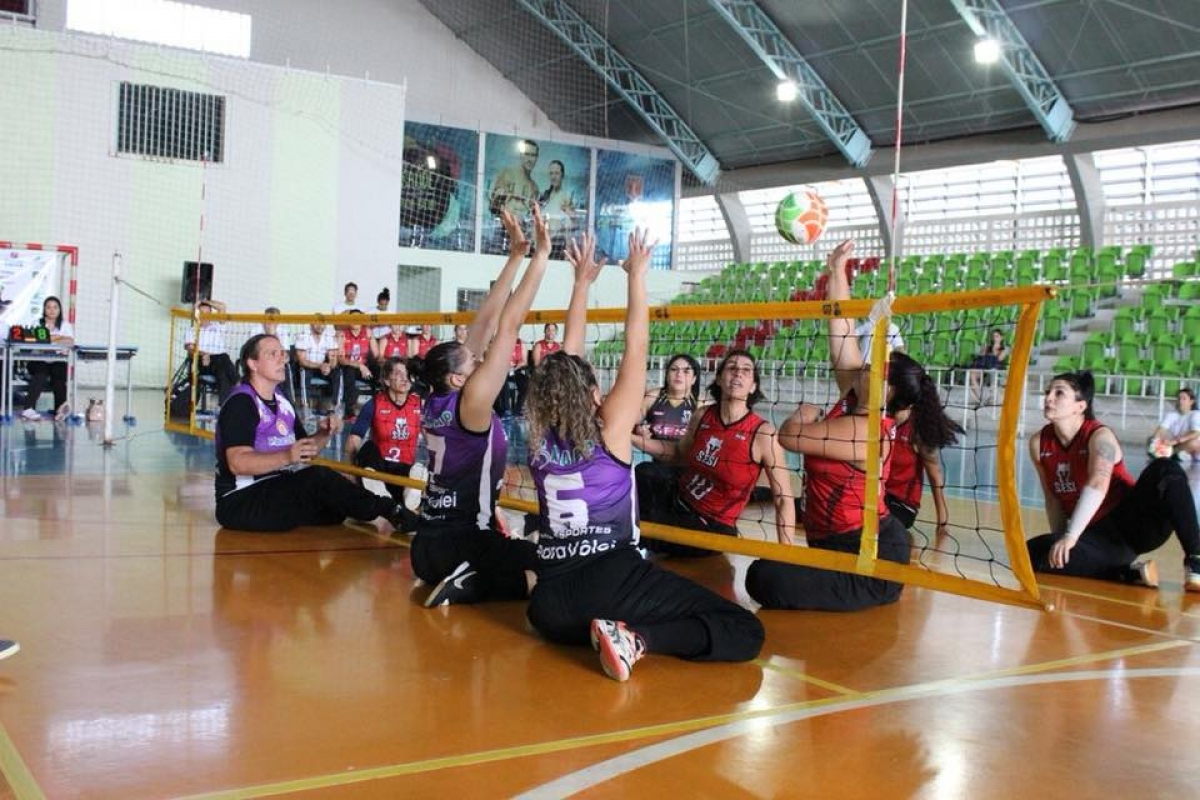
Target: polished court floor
(164,657)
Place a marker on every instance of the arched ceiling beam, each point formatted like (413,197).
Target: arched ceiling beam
(578,34)
(780,56)
(987,18)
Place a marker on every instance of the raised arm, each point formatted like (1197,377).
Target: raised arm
(844,355)
(582,255)
(621,408)
(480,391)
(483,326)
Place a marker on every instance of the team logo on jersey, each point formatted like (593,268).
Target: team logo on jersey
(281,427)
(400,430)
(708,456)
(1062,479)
(687,417)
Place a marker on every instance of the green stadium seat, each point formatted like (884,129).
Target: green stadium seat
(1158,323)
(1066,364)
(1135,264)
(1134,370)
(1053,269)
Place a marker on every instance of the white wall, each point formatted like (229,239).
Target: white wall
(393,41)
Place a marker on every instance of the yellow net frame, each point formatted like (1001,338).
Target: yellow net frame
(866,562)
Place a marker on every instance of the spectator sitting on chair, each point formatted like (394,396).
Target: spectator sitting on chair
(393,344)
(356,351)
(1178,435)
(385,435)
(54,372)
(213,360)
(349,299)
(992,356)
(316,353)
(511,399)
(427,341)
(460,334)
(382,300)
(547,344)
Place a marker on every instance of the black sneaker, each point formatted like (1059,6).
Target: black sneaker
(1141,573)
(402,519)
(458,588)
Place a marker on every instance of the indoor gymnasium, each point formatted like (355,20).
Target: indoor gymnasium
(597,398)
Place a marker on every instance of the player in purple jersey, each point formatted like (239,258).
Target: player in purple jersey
(459,549)
(264,481)
(592,581)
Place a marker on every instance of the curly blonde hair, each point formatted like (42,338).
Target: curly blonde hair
(561,398)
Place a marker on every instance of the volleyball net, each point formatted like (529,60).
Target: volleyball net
(981,552)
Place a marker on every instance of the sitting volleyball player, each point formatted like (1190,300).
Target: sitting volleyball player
(264,481)
(592,581)
(385,436)
(459,548)
(1101,520)
(835,453)
(722,455)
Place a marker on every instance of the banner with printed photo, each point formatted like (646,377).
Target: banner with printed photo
(634,191)
(437,198)
(518,171)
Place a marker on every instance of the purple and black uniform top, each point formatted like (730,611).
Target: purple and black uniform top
(466,469)
(588,503)
(276,430)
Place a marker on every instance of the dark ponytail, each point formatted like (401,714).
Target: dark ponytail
(442,361)
(914,390)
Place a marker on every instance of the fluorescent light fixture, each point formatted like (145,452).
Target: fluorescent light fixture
(431,162)
(987,51)
(164,22)
(786,91)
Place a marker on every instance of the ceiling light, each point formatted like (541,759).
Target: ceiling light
(431,162)
(786,91)
(987,51)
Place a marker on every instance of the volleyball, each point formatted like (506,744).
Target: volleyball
(800,217)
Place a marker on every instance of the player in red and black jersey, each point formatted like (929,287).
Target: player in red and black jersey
(835,452)
(1101,520)
(722,454)
(386,434)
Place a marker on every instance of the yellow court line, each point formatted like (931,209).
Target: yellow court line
(1117,601)
(632,734)
(502,754)
(804,676)
(19,778)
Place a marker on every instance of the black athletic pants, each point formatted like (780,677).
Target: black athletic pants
(221,368)
(905,514)
(661,503)
(501,563)
(41,373)
(671,613)
(309,496)
(369,457)
(789,586)
(1160,501)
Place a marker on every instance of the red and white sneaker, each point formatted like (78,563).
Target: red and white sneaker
(619,648)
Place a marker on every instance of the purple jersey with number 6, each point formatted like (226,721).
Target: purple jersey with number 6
(588,503)
(466,469)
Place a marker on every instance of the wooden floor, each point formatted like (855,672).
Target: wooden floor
(164,657)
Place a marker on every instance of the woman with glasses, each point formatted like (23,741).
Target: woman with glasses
(385,436)
(721,454)
(666,414)
(459,547)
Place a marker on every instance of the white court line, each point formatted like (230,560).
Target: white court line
(598,773)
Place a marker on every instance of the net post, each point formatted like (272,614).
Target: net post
(869,541)
(110,364)
(1006,449)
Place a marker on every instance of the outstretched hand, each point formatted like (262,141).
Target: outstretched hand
(541,232)
(1060,551)
(640,248)
(518,245)
(835,262)
(581,253)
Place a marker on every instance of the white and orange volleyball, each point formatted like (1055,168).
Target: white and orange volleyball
(801,216)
